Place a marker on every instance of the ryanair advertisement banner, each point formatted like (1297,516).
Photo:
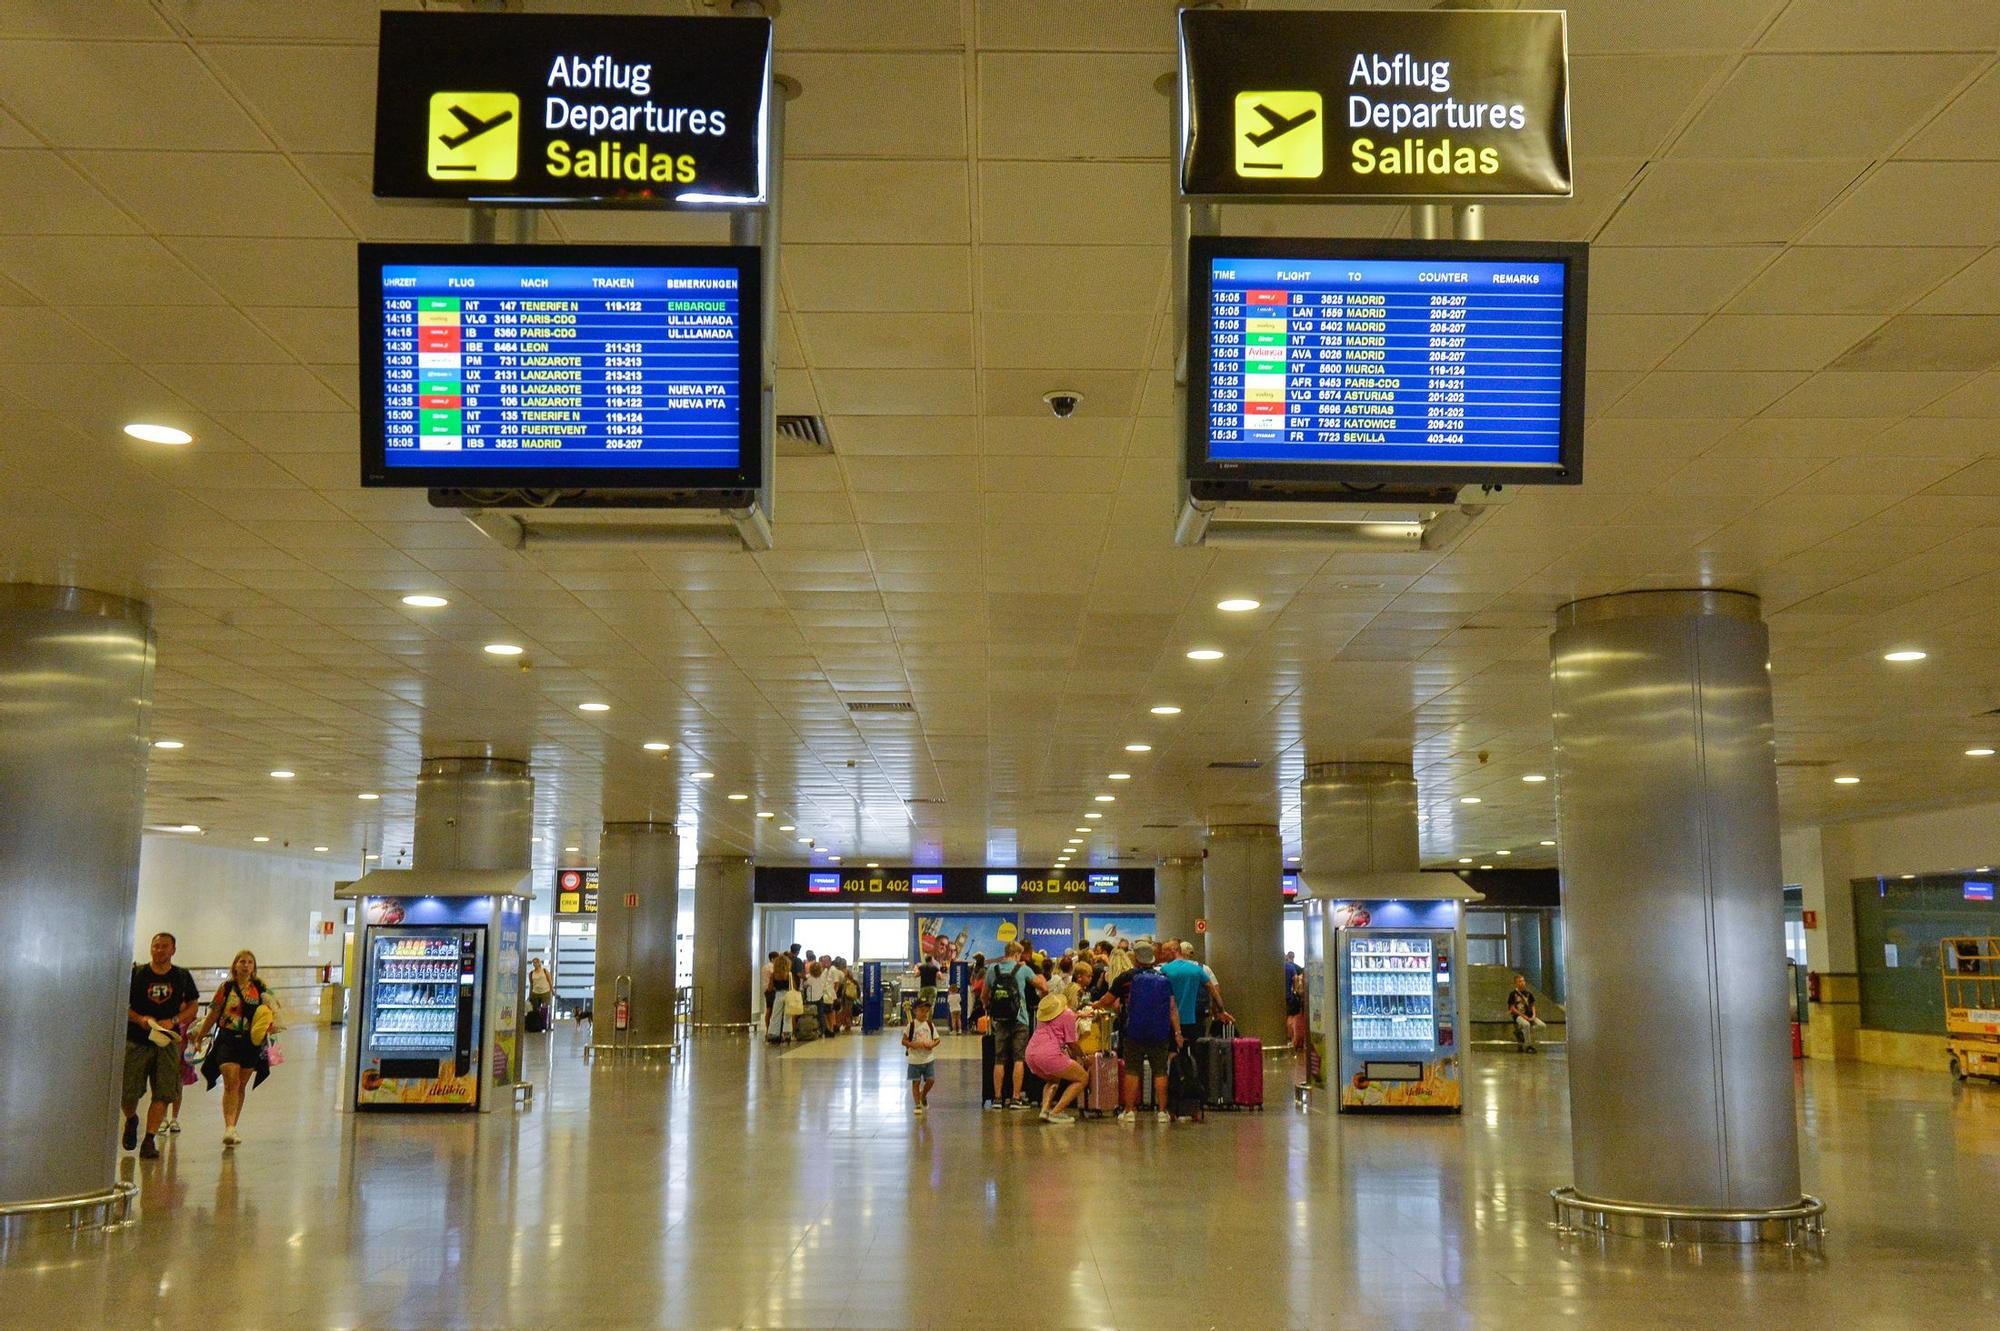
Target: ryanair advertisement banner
(546,108)
(1375,106)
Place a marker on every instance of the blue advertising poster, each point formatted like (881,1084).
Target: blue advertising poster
(1110,928)
(955,936)
(1053,932)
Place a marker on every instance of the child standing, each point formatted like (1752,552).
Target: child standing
(920,1042)
(954,1006)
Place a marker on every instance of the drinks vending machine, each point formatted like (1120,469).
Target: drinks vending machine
(1386,996)
(438,1000)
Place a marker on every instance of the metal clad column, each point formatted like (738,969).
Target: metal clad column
(1356,818)
(473,813)
(1243,897)
(638,862)
(76,679)
(725,974)
(1666,798)
(1176,896)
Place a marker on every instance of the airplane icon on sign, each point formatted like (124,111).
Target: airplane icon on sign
(475,126)
(1280,125)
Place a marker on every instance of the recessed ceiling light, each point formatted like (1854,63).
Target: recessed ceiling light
(1237,603)
(1534,778)
(368,795)
(319,850)
(425,601)
(572,850)
(1204,654)
(158,434)
(1907,876)
(1485,866)
(1503,852)
(536,840)
(371,857)
(1118,776)
(1548,843)
(833,859)
(766,813)
(805,841)
(658,745)
(1847,781)
(1138,748)
(176,744)
(503,649)
(1979,753)
(1074,841)
(1165,710)
(1079,829)
(1468,799)
(593,707)
(260,838)
(786,827)
(189,828)
(873,864)
(283,775)
(1909,655)
(738,795)
(1465,859)
(702,776)
(1105,799)
(1093,815)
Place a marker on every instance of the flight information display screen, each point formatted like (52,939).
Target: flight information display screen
(560,366)
(1381,361)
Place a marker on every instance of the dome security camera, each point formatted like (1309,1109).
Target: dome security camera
(1063,403)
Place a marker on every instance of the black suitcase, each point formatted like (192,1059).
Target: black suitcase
(1184,1085)
(1031,1085)
(1216,1060)
(538,1020)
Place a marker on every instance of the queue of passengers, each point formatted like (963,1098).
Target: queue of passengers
(807,996)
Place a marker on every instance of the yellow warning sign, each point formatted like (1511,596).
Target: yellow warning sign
(475,136)
(1280,134)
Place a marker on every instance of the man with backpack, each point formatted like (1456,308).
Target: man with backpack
(1151,1031)
(1012,991)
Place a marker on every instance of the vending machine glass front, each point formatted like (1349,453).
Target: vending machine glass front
(419,1039)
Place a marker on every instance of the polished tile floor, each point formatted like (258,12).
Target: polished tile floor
(742,1188)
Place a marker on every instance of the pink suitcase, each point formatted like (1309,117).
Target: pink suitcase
(1249,1063)
(1100,1092)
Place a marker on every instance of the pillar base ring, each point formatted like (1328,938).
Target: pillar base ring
(1803,1222)
(113,1206)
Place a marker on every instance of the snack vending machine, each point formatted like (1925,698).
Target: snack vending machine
(439,989)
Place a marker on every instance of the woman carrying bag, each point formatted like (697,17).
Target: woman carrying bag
(786,1002)
(243,1014)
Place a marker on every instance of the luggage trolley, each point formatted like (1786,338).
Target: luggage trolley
(1971,970)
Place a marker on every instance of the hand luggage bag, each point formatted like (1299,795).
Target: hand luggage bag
(1184,1086)
(1100,1092)
(986,1068)
(1248,1079)
(806,1027)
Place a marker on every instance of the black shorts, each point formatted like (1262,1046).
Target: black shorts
(235,1047)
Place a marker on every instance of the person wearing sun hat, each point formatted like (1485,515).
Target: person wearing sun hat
(1052,1056)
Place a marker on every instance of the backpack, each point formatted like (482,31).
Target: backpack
(1149,1008)
(1003,992)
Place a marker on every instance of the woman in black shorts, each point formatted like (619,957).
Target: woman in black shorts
(242,1012)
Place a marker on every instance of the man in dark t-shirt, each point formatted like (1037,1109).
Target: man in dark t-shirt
(162,998)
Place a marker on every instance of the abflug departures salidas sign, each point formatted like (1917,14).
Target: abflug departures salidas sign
(1437,104)
(572,108)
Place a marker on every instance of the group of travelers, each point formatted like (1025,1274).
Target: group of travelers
(163,1043)
(807,996)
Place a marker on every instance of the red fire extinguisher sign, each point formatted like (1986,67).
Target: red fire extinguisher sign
(621,1015)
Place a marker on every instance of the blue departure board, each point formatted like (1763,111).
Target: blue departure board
(552,370)
(1386,364)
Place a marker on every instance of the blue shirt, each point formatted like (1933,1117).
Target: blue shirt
(1188,979)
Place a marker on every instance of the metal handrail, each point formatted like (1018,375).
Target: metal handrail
(119,1194)
(1803,1217)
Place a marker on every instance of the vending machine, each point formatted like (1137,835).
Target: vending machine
(1386,994)
(438,998)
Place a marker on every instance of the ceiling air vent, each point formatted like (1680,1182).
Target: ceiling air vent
(803,437)
(1237,765)
(923,799)
(872,708)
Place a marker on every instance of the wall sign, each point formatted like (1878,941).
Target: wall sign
(576,891)
(570,108)
(1375,105)
(1099,888)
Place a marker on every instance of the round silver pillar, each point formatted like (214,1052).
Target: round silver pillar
(76,679)
(473,813)
(1667,811)
(1356,818)
(1176,896)
(1243,898)
(725,974)
(638,902)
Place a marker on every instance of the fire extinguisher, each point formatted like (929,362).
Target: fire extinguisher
(621,1015)
(1812,986)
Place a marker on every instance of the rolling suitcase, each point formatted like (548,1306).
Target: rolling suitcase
(986,1068)
(806,1026)
(1248,1073)
(1216,1062)
(1100,1091)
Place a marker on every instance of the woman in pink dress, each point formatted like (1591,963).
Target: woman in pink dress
(1052,1057)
